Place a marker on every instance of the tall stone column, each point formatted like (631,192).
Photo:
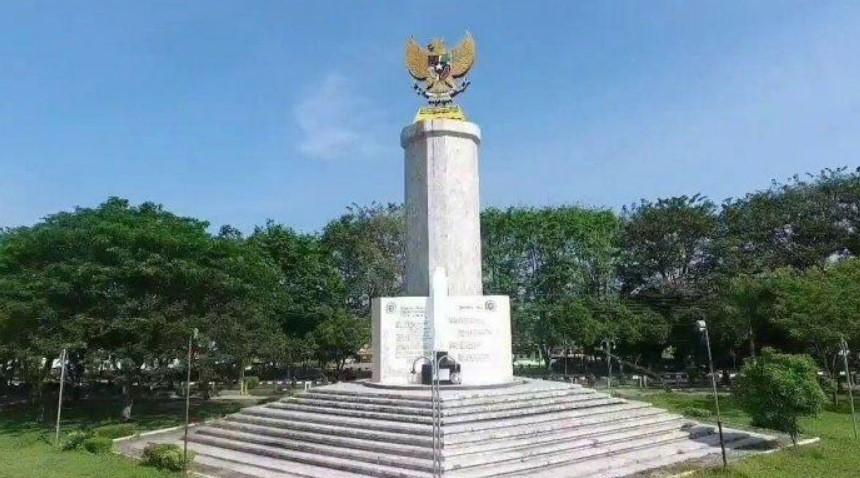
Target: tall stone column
(443,224)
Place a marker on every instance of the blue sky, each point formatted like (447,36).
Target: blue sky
(239,111)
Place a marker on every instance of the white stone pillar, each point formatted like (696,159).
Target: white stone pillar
(443,224)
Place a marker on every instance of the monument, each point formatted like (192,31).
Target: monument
(475,420)
(443,237)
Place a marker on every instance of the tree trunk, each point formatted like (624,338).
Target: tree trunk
(752,343)
(547,359)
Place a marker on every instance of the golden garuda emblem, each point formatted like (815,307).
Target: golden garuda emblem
(440,68)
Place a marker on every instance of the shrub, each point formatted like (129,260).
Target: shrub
(777,389)
(118,430)
(75,439)
(98,444)
(165,456)
(252,382)
(696,412)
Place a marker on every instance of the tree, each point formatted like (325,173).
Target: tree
(548,260)
(666,244)
(666,261)
(818,307)
(243,326)
(310,277)
(778,389)
(368,247)
(122,285)
(799,224)
(339,336)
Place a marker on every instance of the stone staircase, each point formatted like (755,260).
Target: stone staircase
(536,429)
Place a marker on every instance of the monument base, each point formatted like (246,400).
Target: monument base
(534,429)
(474,331)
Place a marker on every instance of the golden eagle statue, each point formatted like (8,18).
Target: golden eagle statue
(440,68)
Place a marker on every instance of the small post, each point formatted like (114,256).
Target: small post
(703,327)
(844,345)
(607,345)
(187,401)
(60,399)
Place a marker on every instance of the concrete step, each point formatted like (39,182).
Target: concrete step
(345,412)
(264,467)
(624,463)
(596,411)
(515,397)
(536,388)
(376,393)
(536,462)
(564,448)
(366,398)
(330,419)
(380,455)
(331,439)
(590,401)
(239,470)
(358,433)
(285,459)
(637,461)
(534,436)
(524,403)
(449,403)
(356,405)
(519,427)
(489,406)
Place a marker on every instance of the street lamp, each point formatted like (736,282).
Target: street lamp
(703,328)
(188,400)
(845,352)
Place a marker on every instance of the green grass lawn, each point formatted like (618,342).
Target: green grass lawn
(837,455)
(26,443)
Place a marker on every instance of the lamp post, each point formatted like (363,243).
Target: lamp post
(188,400)
(845,352)
(60,398)
(703,328)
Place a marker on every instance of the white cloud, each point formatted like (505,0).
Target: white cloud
(337,122)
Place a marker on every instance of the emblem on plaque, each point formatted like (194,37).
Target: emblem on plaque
(390,307)
(443,72)
(490,305)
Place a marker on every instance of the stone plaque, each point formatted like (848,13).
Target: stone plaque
(475,330)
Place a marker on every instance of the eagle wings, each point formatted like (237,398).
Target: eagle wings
(462,58)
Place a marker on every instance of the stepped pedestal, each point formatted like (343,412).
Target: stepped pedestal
(533,428)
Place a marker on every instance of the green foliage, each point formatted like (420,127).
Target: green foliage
(118,430)
(98,444)
(778,389)
(820,306)
(368,248)
(339,335)
(252,382)
(696,412)
(75,439)
(165,456)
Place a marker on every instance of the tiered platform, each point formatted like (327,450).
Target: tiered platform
(535,428)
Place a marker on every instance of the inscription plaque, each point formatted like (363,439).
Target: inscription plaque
(475,330)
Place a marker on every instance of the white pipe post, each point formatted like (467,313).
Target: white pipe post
(187,402)
(716,397)
(848,381)
(60,399)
